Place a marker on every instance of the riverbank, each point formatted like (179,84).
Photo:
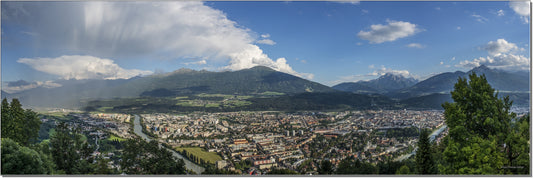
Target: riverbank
(137,129)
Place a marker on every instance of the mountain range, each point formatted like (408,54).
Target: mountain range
(256,81)
(384,84)
(505,82)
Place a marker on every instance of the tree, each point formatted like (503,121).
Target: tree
(403,170)
(424,159)
(18,124)
(68,152)
(325,167)
(388,166)
(141,157)
(7,120)
(282,172)
(17,159)
(517,146)
(349,166)
(479,124)
(101,166)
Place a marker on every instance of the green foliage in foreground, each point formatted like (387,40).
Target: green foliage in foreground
(425,164)
(282,172)
(211,170)
(483,138)
(17,159)
(355,166)
(70,152)
(22,126)
(141,157)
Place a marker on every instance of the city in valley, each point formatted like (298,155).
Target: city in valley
(349,87)
(256,142)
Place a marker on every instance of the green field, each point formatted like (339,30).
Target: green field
(181,97)
(204,95)
(114,137)
(272,93)
(210,157)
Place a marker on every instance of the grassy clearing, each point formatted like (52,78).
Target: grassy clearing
(271,93)
(210,157)
(181,97)
(114,137)
(188,103)
(237,103)
(204,95)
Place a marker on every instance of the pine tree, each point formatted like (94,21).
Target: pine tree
(18,124)
(325,167)
(424,160)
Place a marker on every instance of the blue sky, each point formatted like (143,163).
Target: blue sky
(326,42)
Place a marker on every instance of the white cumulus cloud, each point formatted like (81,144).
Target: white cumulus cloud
(266,41)
(372,75)
(174,30)
(501,61)
(383,70)
(499,46)
(81,67)
(521,8)
(254,56)
(502,55)
(201,62)
(415,45)
(500,13)
(392,31)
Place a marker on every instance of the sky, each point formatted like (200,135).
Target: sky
(326,42)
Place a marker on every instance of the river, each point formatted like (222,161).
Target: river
(188,164)
(431,138)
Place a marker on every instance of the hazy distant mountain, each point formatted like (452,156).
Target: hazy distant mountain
(429,93)
(180,82)
(70,94)
(503,80)
(386,83)
(355,87)
(443,83)
(248,81)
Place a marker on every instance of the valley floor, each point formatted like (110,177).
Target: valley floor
(257,142)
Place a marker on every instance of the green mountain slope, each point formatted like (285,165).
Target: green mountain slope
(73,93)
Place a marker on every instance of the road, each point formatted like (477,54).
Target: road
(188,164)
